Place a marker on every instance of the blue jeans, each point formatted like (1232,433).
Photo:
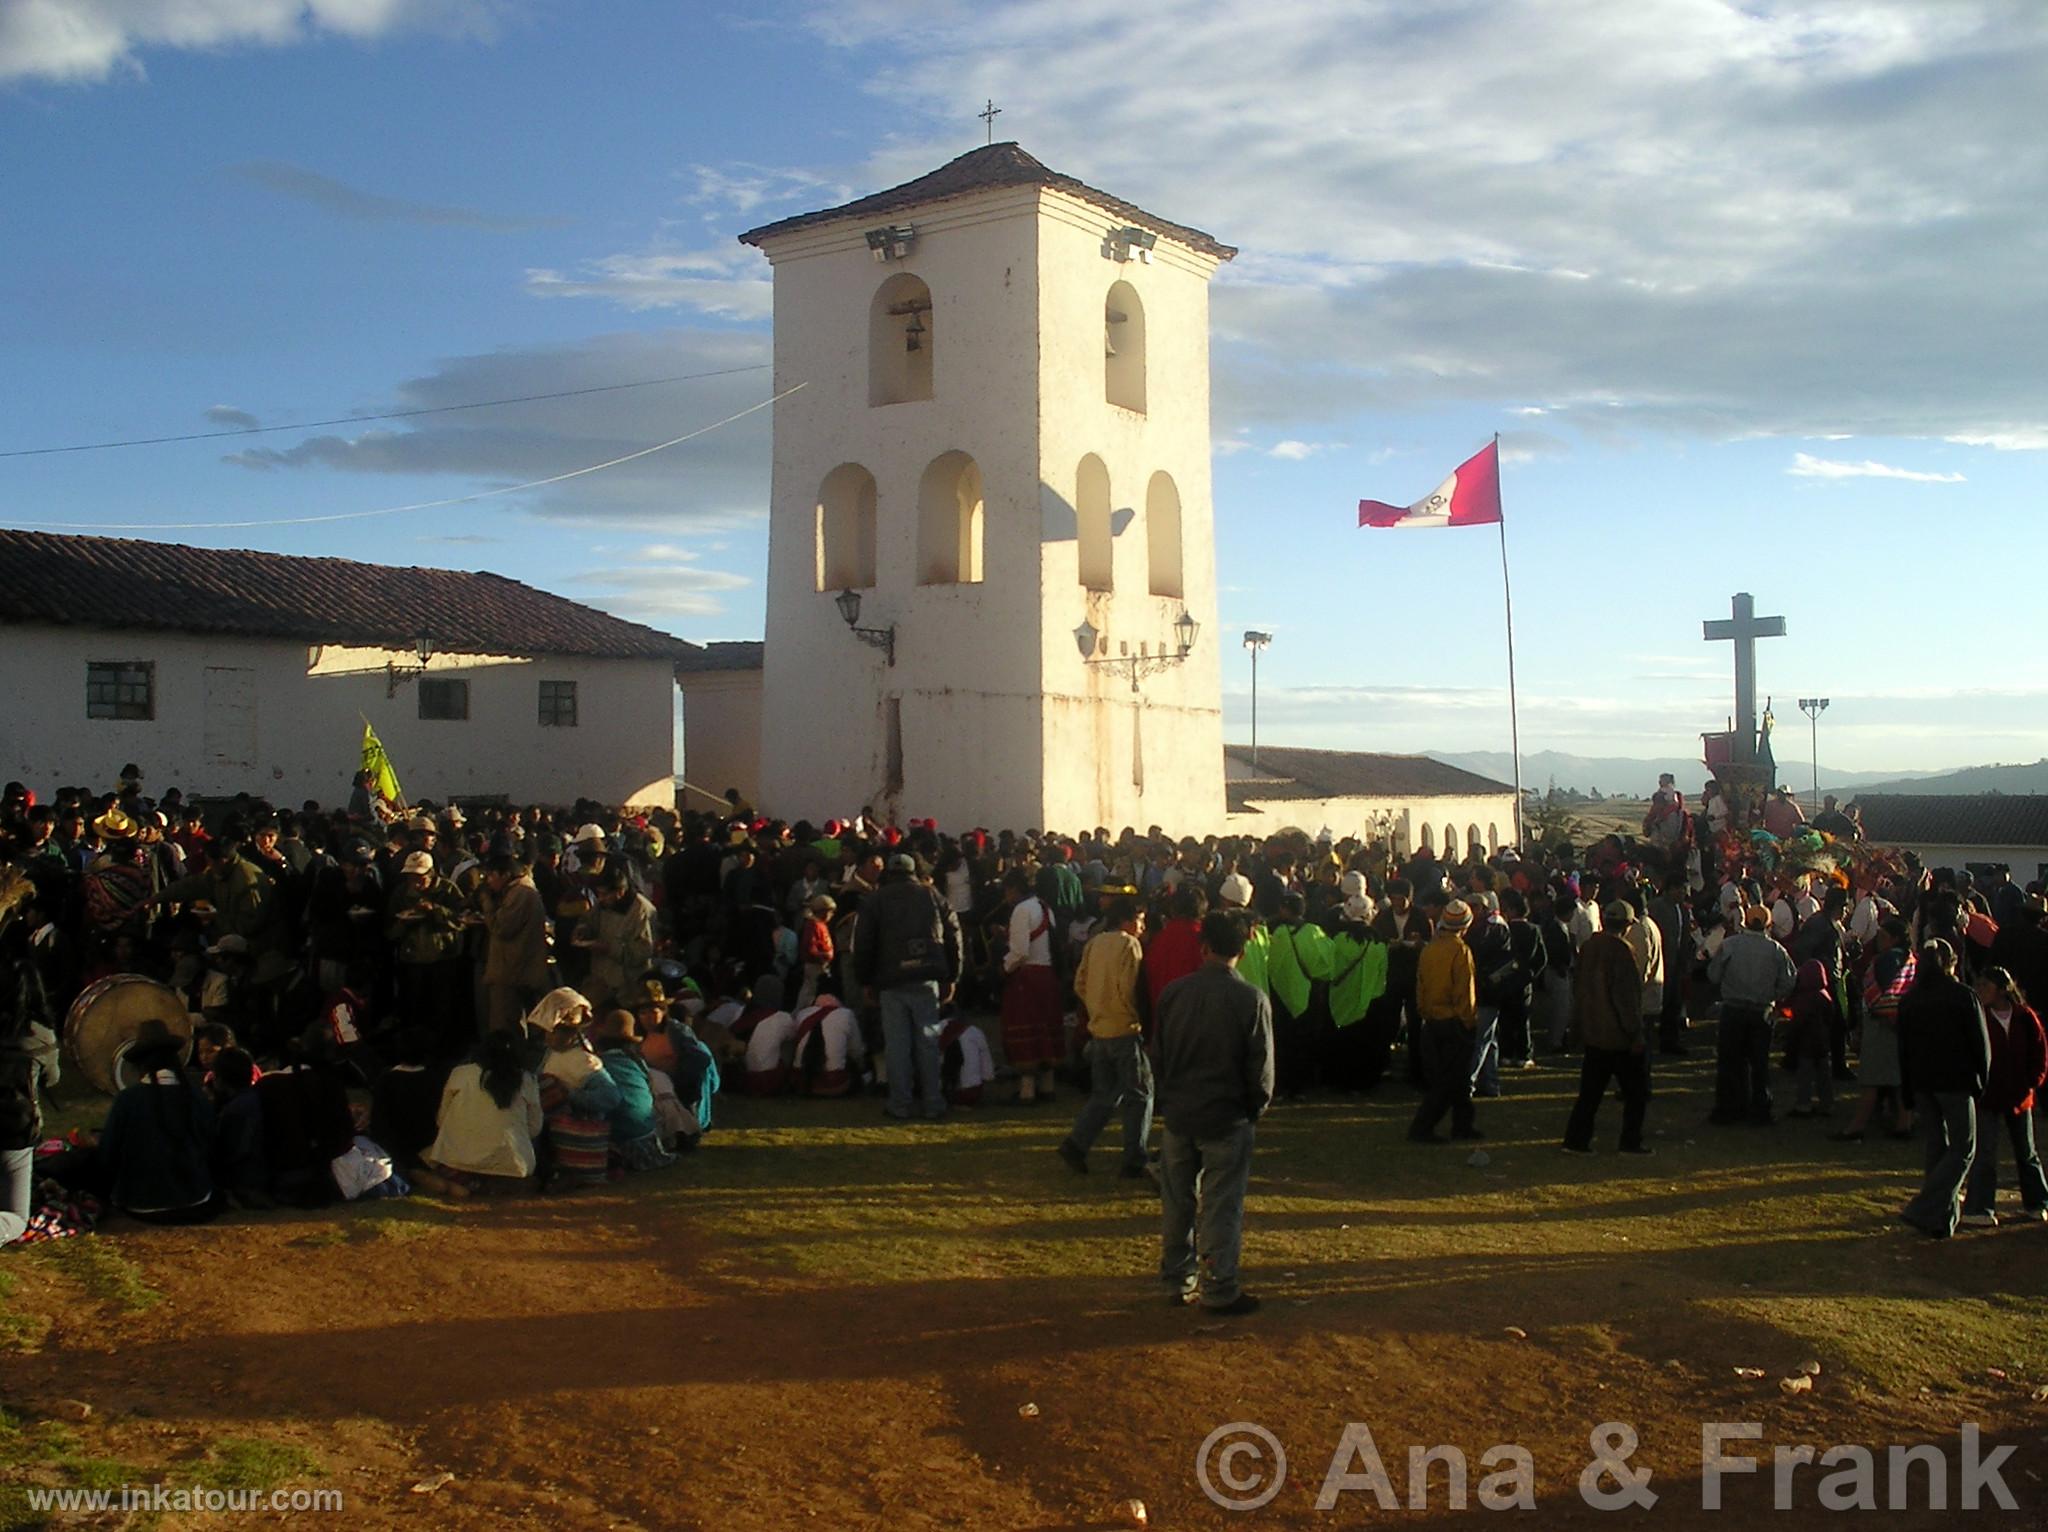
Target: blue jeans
(1120,1075)
(1983,1188)
(1951,1119)
(1486,1051)
(16,1177)
(910,1043)
(1201,1189)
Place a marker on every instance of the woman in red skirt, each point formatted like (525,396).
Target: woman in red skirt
(1032,1012)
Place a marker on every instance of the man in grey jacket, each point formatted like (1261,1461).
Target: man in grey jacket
(1214,1037)
(1754,973)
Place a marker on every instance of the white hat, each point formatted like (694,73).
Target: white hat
(419,862)
(1358,907)
(1236,891)
(586,835)
(1352,883)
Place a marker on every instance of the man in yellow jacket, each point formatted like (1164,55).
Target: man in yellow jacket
(1447,997)
(1107,987)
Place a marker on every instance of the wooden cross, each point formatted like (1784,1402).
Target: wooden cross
(988,115)
(1744,628)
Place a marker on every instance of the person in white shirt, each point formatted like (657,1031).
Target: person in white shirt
(966,1074)
(1585,919)
(490,1115)
(828,1048)
(1033,1039)
(768,1047)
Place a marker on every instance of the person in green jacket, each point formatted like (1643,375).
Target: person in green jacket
(1235,895)
(1297,960)
(1358,976)
(424,924)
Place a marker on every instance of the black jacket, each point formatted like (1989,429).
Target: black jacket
(907,934)
(1944,1046)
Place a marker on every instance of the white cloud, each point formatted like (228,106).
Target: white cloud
(1778,217)
(83,40)
(1299,451)
(1806,466)
(2026,439)
(719,480)
(233,419)
(657,581)
(730,285)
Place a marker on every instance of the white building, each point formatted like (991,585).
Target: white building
(1963,830)
(1412,798)
(1002,437)
(228,671)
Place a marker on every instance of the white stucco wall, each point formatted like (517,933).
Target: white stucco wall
(1493,816)
(2027,862)
(721,735)
(1000,722)
(309,704)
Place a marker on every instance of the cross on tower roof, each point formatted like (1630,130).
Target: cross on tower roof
(988,115)
(1744,627)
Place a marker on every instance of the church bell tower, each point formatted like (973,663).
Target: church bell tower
(991,569)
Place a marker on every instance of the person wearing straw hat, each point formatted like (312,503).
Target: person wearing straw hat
(1447,998)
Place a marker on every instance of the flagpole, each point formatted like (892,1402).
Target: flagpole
(1507,591)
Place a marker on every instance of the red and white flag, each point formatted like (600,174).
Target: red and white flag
(1470,497)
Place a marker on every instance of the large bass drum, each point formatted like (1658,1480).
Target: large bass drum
(106,1016)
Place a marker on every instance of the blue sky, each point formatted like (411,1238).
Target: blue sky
(1755,294)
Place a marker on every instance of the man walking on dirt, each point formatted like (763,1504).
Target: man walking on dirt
(1215,1078)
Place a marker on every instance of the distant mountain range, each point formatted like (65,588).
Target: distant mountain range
(1623,777)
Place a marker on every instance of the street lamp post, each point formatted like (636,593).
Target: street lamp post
(1813,707)
(1255,641)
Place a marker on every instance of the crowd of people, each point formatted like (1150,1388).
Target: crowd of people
(502,998)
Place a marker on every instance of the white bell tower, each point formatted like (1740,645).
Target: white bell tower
(1000,449)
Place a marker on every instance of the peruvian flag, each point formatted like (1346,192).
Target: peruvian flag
(1470,497)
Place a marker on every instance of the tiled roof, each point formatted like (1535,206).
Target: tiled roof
(743,654)
(1285,772)
(1956,819)
(108,582)
(988,169)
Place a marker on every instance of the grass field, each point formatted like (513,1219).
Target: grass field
(822,1316)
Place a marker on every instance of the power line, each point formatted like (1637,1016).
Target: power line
(349,420)
(395,510)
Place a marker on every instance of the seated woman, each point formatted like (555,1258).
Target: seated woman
(240,1168)
(768,1031)
(156,1149)
(577,1097)
(965,1063)
(405,1103)
(490,1114)
(828,1046)
(636,1135)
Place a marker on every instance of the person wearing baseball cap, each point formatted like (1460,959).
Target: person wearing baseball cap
(1447,997)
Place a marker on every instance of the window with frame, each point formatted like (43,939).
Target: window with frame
(558,704)
(444,700)
(124,689)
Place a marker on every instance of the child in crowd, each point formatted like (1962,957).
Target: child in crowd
(767,1030)
(239,1167)
(1812,1011)
(826,1048)
(814,946)
(965,1063)
(405,1102)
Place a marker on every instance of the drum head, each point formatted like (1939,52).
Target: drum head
(105,1018)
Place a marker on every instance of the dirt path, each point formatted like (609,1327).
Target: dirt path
(599,1364)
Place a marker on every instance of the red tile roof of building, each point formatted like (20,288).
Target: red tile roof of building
(107,582)
(990,168)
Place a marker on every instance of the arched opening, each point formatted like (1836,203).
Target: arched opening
(1162,535)
(1452,848)
(949,522)
(1426,841)
(1123,347)
(900,341)
(1091,515)
(846,529)
(1492,837)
